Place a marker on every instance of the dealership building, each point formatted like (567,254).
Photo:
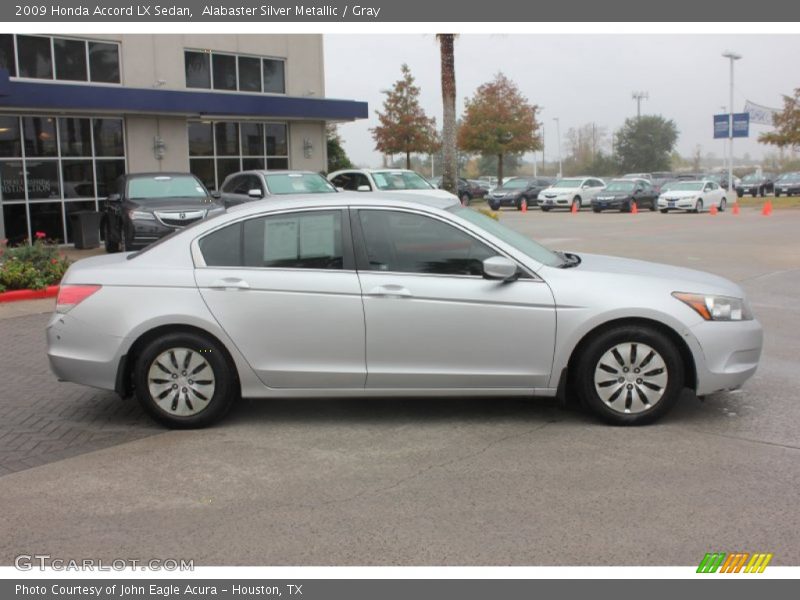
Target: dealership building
(77,112)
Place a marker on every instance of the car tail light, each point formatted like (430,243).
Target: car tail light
(69,296)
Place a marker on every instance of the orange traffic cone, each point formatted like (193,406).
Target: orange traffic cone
(523,204)
(736,208)
(574,209)
(767,210)
(634,209)
(713,209)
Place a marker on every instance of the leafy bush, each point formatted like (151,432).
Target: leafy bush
(31,266)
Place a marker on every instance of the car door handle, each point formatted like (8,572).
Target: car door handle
(390,291)
(229,283)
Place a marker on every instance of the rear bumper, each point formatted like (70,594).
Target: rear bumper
(726,353)
(80,354)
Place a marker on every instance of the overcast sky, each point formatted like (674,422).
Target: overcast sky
(578,78)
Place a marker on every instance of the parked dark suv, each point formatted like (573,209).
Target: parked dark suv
(788,183)
(756,185)
(517,191)
(147,206)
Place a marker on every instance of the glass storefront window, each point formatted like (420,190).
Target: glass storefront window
(212,70)
(10,142)
(40,136)
(252,139)
(201,139)
(198,69)
(249,74)
(62,164)
(274,77)
(63,59)
(224,66)
(227,134)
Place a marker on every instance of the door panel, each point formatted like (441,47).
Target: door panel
(283,288)
(457,332)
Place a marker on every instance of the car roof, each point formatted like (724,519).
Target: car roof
(342,200)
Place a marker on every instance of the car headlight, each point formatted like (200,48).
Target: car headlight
(140,215)
(716,308)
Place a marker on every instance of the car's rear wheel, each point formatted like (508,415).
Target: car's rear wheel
(596,209)
(630,375)
(698,206)
(184,380)
(723,204)
(664,211)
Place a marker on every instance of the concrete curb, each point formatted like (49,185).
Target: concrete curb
(17,295)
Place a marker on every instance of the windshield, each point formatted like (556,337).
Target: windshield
(509,236)
(568,183)
(749,178)
(516,184)
(686,186)
(298,183)
(620,186)
(400,180)
(166,186)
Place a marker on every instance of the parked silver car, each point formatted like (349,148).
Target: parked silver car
(348,294)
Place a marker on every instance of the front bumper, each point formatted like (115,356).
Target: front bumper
(504,201)
(555,202)
(616,203)
(726,353)
(788,190)
(680,204)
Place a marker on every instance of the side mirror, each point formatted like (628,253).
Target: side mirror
(216,195)
(255,193)
(501,268)
(364,188)
(114,198)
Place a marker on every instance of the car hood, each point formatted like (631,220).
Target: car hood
(681,194)
(561,191)
(677,279)
(186,204)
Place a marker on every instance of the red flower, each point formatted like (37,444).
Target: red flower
(40,235)
(53,261)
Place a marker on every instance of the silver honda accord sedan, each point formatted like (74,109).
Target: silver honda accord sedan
(386,296)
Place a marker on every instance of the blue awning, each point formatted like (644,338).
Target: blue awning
(54,96)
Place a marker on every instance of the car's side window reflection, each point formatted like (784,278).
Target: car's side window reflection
(307,240)
(411,243)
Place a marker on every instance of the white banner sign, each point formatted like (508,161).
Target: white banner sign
(760,115)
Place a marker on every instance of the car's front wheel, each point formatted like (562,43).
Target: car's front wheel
(184,380)
(630,375)
(723,204)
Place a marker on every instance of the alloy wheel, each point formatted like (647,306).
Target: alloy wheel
(630,378)
(181,382)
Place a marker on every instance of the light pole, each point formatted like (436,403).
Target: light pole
(535,174)
(733,57)
(558,144)
(639,96)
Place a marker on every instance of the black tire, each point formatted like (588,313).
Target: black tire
(525,200)
(626,207)
(494,206)
(698,207)
(723,204)
(634,334)
(465,199)
(225,383)
(576,200)
(664,211)
(545,208)
(778,194)
(740,193)
(654,206)
(596,209)
(110,241)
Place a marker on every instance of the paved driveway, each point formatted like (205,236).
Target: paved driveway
(428,482)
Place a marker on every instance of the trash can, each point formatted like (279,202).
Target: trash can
(85,229)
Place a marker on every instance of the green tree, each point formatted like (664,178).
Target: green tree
(448,69)
(645,143)
(498,120)
(337,157)
(787,124)
(404,127)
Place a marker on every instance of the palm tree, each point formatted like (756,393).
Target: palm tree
(449,112)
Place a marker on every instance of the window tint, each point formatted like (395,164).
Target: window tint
(7,61)
(70,58)
(198,69)
(249,74)
(33,53)
(104,62)
(411,243)
(224,71)
(307,240)
(232,184)
(274,79)
(351,181)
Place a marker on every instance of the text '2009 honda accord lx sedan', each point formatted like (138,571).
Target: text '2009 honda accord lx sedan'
(387,296)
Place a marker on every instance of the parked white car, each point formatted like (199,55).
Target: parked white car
(386,180)
(570,190)
(694,196)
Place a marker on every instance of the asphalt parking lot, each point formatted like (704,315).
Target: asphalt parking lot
(428,482)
